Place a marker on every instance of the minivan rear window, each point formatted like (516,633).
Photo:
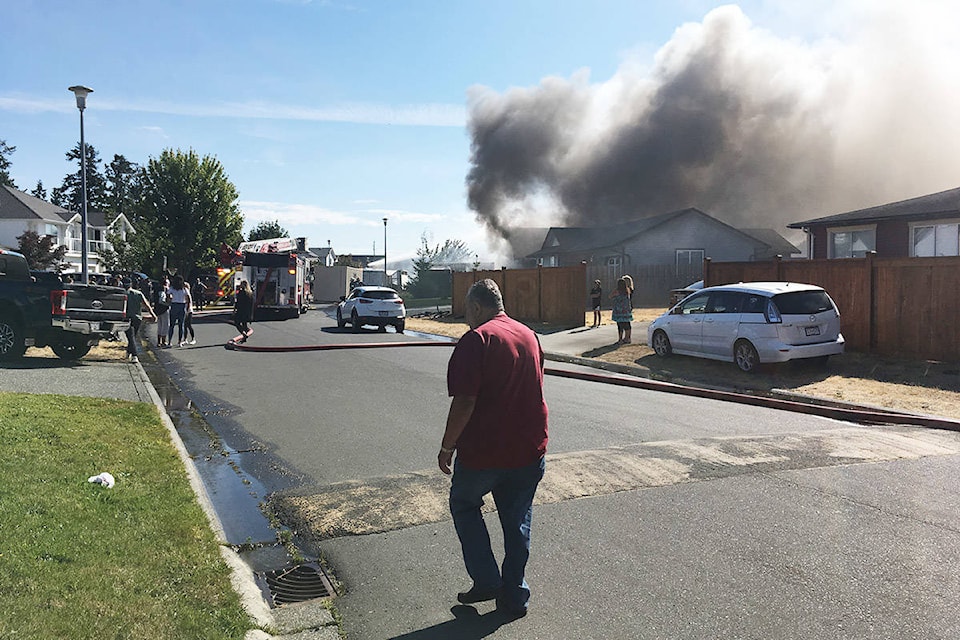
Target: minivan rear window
(803,302)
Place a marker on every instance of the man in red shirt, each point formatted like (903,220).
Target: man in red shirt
(497,424)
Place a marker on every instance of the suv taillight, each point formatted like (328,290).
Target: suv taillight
(58,302)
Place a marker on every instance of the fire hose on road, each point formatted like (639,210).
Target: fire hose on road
(859,415)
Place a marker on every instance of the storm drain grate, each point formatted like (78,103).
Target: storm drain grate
(296,584)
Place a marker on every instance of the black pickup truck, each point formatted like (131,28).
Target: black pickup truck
(41,311)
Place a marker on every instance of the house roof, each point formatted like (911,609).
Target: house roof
(774,240)
(321,252)
(584,239)
(20,205)
(945,204)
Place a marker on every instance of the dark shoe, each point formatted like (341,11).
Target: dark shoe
(477,595)
(510,612)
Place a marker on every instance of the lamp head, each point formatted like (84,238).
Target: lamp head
(81,92)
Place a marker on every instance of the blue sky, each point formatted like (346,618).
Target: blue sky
(327,115)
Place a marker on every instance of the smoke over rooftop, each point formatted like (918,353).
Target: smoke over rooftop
(755,129)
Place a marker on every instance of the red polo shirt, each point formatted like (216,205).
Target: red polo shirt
(501,364)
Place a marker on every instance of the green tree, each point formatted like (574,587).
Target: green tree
(68,194)
(266,230)
(451,251)
(39,191)
(122,186)
(187,209)
(123,255)
(5,151)
(39,251)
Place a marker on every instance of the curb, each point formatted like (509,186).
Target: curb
(777,399)
(241,576)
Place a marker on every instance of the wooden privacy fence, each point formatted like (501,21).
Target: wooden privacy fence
(895,306)
(553,295)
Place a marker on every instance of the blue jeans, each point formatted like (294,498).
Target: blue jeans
(513,491)
(178,311)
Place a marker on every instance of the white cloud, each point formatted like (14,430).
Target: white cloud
(298,214)
(399,215)
(422,115)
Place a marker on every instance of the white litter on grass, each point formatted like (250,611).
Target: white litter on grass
(104,479)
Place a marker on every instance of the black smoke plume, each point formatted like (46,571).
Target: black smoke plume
(757,130)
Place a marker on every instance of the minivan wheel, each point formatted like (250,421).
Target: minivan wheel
(661,343)
(746,356)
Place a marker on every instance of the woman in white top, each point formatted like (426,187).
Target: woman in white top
(179,295)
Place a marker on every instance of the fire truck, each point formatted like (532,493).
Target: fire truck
(276,272)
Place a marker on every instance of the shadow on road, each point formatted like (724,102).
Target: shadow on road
(467,624)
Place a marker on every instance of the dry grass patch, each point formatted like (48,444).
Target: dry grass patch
(924,387)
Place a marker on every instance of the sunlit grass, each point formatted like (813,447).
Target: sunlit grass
(78,560)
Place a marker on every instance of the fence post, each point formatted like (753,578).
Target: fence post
(872,313)
(539,293)
(779,268)
(706,272)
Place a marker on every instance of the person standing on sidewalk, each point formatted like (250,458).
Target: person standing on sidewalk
(497,424)
(136,301)
(596,299)
(622,312)
(188,318)
(162,305)
(178,309)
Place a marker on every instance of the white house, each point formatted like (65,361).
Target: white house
(20,212)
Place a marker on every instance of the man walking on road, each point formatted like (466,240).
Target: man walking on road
(497,424)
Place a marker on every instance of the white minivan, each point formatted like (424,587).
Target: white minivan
(751,323)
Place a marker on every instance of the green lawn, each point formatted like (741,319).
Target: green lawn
(78,560)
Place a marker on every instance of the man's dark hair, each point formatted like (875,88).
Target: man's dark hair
(487,294)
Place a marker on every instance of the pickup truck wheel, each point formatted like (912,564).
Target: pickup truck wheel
(71,349)
(12,345)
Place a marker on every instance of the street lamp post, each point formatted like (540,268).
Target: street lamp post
(81,92)
(385,279)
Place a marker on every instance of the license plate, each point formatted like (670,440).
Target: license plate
(94,326)
(812,331)
(383,313)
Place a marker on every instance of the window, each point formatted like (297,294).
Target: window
(696,304)
(801,303)
(687,257)
(725,302)
(852,243)
(52,230)
(936,240)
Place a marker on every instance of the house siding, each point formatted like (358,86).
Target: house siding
(691,231)
(893,239)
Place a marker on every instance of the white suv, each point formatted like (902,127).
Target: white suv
(751,323)
(377,306)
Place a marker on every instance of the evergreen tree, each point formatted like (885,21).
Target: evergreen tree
(122,186)
(39,191)
(68,195)
(5,151)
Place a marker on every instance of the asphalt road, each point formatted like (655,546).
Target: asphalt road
(661,516)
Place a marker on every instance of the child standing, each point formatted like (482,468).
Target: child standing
(622,311)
